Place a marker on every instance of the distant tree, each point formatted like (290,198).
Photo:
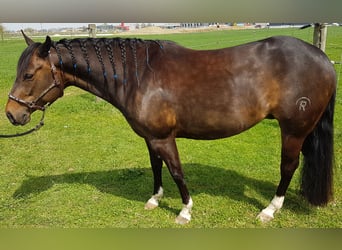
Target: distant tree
(2,30)
(29,30)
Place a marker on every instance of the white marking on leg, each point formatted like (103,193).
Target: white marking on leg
(153,202)
(185,214)
(267,214)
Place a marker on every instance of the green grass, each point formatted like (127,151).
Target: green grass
(87,168)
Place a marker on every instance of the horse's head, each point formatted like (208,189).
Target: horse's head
(37,82)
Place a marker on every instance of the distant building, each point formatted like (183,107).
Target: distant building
(194,25)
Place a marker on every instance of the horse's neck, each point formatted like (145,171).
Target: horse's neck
(108,68)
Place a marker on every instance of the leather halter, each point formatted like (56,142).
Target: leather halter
(33,104)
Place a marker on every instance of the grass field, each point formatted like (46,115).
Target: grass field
(87,169)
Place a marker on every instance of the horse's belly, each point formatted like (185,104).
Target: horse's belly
(207,135)
(214,127)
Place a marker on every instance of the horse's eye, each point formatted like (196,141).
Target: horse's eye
(28,76)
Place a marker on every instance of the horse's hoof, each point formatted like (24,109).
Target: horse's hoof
(181,220)
(264,218)
(150,205)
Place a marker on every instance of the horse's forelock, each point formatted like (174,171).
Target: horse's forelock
(25,57)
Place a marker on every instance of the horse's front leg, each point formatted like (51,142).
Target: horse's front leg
(166,150)
(156,163)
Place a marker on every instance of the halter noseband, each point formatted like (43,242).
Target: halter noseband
(33,104)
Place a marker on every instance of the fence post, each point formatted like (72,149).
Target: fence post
(92,30)
(320,35)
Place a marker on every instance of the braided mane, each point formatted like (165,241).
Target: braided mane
(121,53)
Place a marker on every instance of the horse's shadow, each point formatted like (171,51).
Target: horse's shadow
(136,184)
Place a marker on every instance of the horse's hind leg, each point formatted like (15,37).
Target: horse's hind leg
(291,147)
(166,150)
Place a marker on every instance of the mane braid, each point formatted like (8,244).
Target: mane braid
(83,46)
(133,45)
(122,45)
(99,56)
(97,48)
(59,55)
(108,44)
(68,45)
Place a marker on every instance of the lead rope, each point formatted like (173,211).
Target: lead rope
(37,127)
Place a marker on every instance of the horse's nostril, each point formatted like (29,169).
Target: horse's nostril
(25,117)
(11,118)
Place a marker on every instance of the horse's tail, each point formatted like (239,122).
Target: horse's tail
(318,152)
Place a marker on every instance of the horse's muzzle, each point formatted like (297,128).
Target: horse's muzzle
(19,117)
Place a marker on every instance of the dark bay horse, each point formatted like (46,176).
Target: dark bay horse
(166,91)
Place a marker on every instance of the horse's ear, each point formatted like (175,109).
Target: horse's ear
(28,40)
(45,47)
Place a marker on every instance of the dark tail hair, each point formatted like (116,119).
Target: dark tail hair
(318,152)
